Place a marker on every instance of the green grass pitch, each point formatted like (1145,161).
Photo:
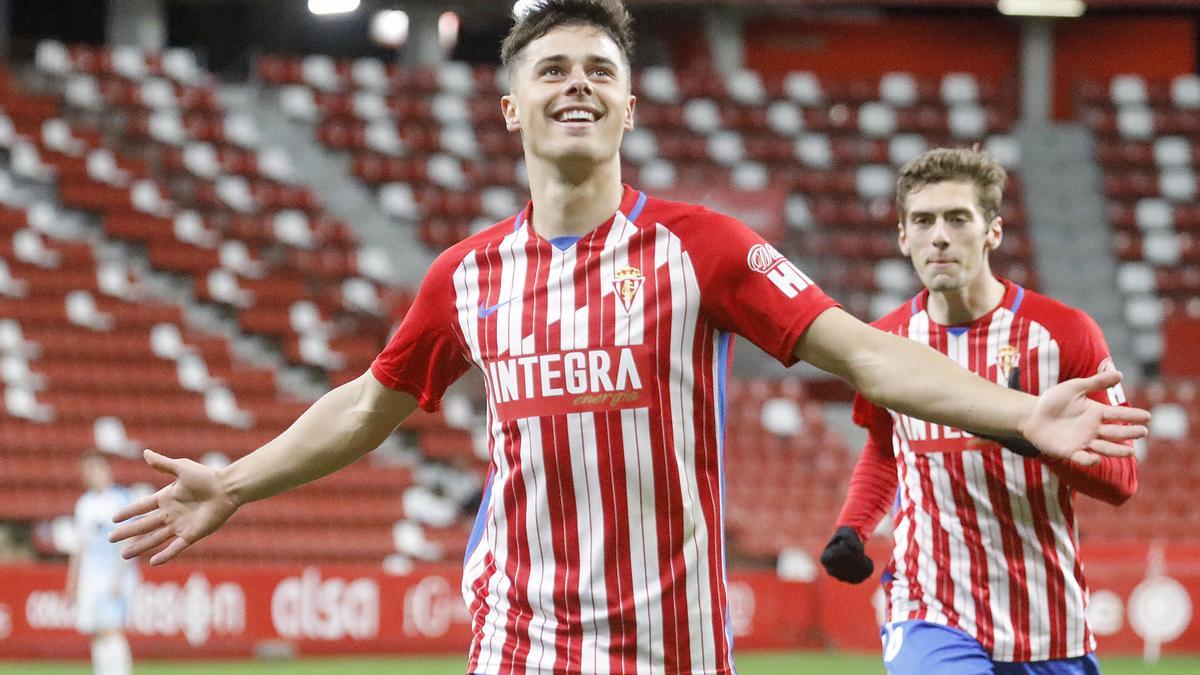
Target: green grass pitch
(749,663)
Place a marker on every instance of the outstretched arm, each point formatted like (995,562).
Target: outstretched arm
(342,426)
(902,375)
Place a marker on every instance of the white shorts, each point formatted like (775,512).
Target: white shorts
(95,612)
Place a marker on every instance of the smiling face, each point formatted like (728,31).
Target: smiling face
(570,97)
(946,237)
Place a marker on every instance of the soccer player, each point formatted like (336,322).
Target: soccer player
(601,319)
(99,580)
(985,575)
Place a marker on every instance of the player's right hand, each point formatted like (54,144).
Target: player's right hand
(190,508)
(844,557)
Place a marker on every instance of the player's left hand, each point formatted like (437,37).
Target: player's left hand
(1066,424)
(190,508)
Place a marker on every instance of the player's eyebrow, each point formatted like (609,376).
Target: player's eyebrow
(592,59)
(958,210)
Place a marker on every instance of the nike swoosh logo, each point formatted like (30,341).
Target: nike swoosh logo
(485,312)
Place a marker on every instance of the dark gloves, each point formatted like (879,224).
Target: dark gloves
(844,558)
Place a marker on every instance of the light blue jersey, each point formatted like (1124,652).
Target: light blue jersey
(106,581)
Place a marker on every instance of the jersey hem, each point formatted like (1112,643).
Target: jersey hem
(786,353)
(424,402)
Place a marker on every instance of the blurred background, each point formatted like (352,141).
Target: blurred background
(213,211)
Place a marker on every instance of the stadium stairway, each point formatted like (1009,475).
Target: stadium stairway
(1073,241)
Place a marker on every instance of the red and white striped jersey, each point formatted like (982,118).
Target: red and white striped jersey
(599,547)
(985,539)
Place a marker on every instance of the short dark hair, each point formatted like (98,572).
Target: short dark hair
(609,16)
(954,164)
(94,455)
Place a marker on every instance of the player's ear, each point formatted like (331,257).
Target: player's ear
(995,234)
(508,108)
(629,112)
(902,238)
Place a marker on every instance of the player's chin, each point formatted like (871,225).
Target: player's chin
(940,283)
(580,151)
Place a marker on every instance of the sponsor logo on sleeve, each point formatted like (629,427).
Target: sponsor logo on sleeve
(764,259)
(1116,393)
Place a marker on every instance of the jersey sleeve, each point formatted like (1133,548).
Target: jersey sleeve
(748,288)
(425,355)
(873,481)
(1084,352)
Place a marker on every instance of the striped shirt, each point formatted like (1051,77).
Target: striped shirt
(985,539)
(599,546)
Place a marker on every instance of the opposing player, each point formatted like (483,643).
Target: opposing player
(601,320)
(985,574)
(99,580)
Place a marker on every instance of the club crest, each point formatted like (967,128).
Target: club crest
(626,284)
(1007,359)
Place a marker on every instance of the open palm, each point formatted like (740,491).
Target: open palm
(1066,424)
(185,511)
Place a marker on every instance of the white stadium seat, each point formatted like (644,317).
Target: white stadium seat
(746,87)
(803,88)
(814,150)
(750,176)
(1152,213)
(1136,278)
(959,88)
(898,89)
(660,85)
(1127,90)
(702,115)
(726,148)
(1172,151)
(1135,122)
(639,145)
(905,147)
(967,120)
(1185,91)
(1177,184)
(785,118)
(877,120)
(369,73)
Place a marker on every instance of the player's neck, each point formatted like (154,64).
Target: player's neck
(572,201)
(964,305)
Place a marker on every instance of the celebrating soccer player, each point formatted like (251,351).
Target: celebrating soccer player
(601,319)
(985,574)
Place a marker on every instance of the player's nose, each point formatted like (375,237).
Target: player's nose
(578,83)
(940,235)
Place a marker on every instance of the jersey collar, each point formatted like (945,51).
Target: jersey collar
(1013,296)
(632,202)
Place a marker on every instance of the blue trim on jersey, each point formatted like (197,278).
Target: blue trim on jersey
(957,331)
(480,520)
(915,309)
(637,208)
(724,340)
(632,217)
(565,242)
(1020,296)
